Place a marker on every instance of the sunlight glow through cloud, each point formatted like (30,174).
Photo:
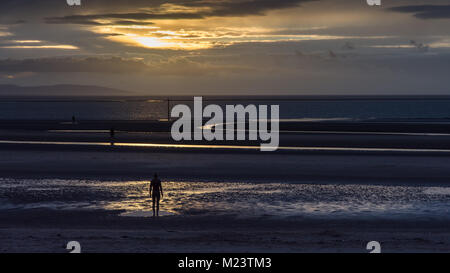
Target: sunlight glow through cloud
(65,47)
(229,46)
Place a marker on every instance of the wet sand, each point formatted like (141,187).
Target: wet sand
(66,161)
(48,230)
(98,231)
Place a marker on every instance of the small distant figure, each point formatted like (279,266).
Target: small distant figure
(156,192)
(112,132)
(74,120)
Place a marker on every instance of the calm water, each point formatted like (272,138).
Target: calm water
(151,109)
(230,198)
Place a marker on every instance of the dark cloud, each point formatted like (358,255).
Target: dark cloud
(221,8)
(419,46)
(86,21)
(244,7)
(90,19)
(426,11)
(130,23)
(73,64)
(181,65)
(14,22)
(348,46)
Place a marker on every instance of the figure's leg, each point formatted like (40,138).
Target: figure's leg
(153,200)
(157,207)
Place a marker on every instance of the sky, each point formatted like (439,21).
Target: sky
(229,47)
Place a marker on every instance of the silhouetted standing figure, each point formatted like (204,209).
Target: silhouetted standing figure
(112,132)
(74,120)
(156,192)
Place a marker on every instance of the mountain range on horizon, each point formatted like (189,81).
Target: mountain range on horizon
(60,90)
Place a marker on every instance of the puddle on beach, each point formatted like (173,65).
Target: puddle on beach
(144,213)
(228,198)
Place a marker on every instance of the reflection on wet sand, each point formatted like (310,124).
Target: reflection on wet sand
(226,147)
(131,198)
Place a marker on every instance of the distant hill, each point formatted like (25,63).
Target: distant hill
(60,90)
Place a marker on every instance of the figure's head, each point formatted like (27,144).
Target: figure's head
(155,175)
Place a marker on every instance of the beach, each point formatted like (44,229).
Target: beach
(49,232)
(257,126)
(66,184)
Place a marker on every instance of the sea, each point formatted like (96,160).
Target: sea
(302,108)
